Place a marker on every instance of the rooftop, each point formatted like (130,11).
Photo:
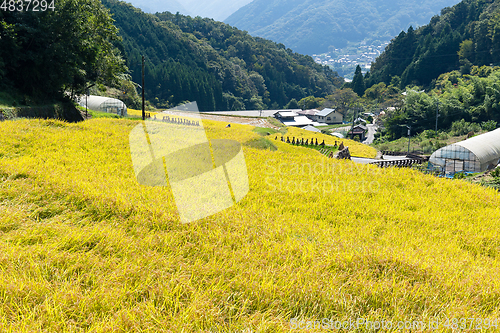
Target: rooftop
(325,112)
(298,121)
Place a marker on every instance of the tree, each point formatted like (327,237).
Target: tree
(489,125)
(62,50)
(292,104)
(466,50)
(358,82)
(341,99)
(309,102)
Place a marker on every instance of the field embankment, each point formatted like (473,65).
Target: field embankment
(84,247)
(62,110)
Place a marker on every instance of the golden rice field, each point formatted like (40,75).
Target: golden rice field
(356,148)
(138,113)
(315,243)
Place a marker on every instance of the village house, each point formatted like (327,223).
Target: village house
(359,131)
(293,118)
(329,116)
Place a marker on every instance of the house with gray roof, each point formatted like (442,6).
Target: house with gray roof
(329,116)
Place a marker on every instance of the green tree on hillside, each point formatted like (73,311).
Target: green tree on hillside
(310,102)
(341,99)
(292,104)
(358,82)
(48,53)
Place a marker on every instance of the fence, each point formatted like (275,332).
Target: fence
(400,153)
(399,163)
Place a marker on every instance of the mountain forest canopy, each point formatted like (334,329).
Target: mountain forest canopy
(220,67)
(462,36)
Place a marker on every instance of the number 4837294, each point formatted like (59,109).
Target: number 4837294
(27,5)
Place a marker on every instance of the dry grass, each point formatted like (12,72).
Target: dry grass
(83,247)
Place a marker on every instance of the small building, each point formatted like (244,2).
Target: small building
(358,130)
(311,129)
(329,116)
(293,118)
(311,114)
(360,120)
(477,154)
(286,115)
(298,121)
(104,104)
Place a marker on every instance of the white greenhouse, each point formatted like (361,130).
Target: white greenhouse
(104,104)
(476,154)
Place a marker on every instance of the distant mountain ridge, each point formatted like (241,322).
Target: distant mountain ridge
(314,26)
(153,6)
(218,10)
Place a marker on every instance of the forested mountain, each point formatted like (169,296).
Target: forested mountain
(153,6)
(314,26)
(220,67)
(464,35)
(215,9)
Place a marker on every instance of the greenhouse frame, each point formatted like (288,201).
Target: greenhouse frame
(104,104)
(476,154)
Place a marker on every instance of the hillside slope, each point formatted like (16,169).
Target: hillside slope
(314,26)
(85,248)
(464,35)
(220,67)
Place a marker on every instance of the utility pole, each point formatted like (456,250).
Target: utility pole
(143,109)
(409,135)
(354,117)
(86,104)
(437,115)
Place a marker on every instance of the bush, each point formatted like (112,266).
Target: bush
(384,147)
(462,127)
(439,144)
(443,136)
(496,172)
(489,125)
(62,110)
(428,134)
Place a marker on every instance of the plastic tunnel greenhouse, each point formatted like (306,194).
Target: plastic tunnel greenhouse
(476,154)
(104,104)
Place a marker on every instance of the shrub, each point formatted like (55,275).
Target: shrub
(462,127)
(489,125)
(496,172)
(443,136)
(428,134)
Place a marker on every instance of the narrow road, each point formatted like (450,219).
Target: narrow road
(370,136)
